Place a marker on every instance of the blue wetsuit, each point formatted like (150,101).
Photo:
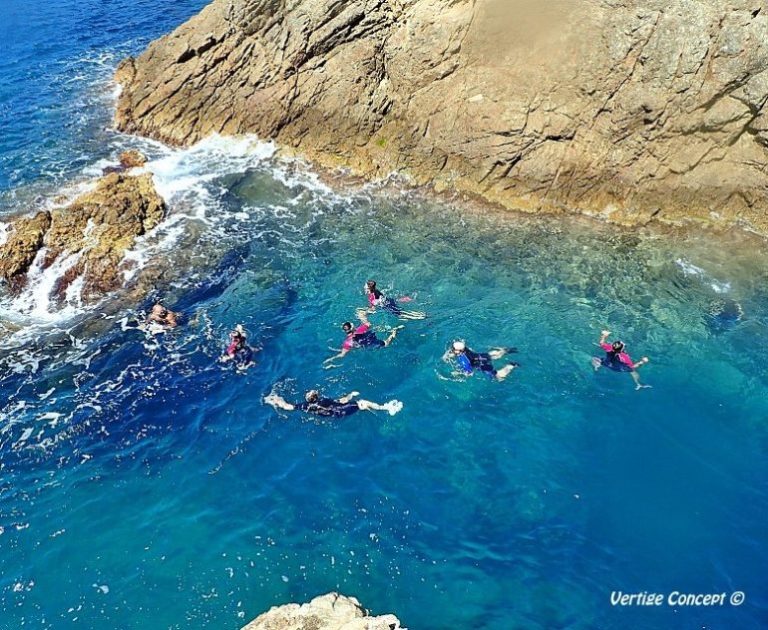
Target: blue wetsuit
(470,361)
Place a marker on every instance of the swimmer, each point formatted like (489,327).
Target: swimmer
(238,349)
(361,337)
(469,361)
(162,316)
(377,298)
(330,408)
(617,360)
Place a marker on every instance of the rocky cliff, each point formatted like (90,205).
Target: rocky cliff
(630,110)
(328,612)
(92,234)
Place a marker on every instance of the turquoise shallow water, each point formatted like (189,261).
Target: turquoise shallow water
(143,485)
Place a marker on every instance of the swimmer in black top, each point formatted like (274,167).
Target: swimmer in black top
(330,408)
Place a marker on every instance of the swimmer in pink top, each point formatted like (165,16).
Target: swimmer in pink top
(617,360)
(361,337)
(377,299)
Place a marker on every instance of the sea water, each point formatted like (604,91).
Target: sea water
(145,485)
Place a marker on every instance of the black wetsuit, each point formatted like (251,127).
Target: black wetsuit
(329,408)
(478,361)
(240,351)
(613,362)
(388,304)
(244,355)
(363,337)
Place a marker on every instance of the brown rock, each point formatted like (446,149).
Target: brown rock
(132,159)
(327,612)
(631,110)
(18,252)
(127,160)
(100,226)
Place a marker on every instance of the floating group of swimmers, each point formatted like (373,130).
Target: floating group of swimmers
(464,360)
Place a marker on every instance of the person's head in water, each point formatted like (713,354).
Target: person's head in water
(312,396)
(458,347)
(347,327)
(370,286)
(617,346)
(159,310)
(238,335)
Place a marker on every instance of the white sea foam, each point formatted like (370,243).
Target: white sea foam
(296,172)
(689,269)
(185,179)
(181,171)
(182,177)
(38,301)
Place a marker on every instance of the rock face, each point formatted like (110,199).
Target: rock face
(127,160)
(21,247)
(625,109)
(327,612)
(91,234)
(132,159)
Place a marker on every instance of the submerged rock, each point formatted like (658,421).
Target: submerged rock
(95,230)
(132,159)
(630,110)
(327,612)
(127,160)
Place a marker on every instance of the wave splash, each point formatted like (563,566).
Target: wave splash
(47,333)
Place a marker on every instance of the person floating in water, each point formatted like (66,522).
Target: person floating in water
(361,337)
(617,360)
(161,316)
(468,360)
(238,349)
(377,299)
(332,408)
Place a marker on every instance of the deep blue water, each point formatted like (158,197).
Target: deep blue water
(144,485)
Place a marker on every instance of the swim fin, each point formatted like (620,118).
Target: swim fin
(393,406)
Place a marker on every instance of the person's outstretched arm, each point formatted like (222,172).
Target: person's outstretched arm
(603,336)
(348,397)
(640,363)
(342,353)
(278,402)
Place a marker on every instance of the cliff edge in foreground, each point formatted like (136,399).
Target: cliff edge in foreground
(625,109)
(327,612)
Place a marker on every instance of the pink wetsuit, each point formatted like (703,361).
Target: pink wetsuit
(623,356)
(349,342)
